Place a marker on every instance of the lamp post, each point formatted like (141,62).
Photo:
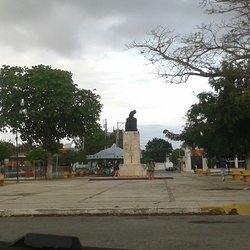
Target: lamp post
(21,111)
(17,158)
(179,154)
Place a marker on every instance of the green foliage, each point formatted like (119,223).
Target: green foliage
(6,150)
(176,155)
(98,141)
(157,149)
(37,154)
(25,147)
(68,157)
(111,138)
(84,113)
(145,158)
(219,122)
(94,142)
(54,108)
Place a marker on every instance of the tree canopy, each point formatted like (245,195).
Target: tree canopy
(37,154)
(6,150)
(219,122)
(175,156)
(220,52)
(45,106)
(157,149)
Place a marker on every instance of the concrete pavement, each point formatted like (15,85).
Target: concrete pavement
(183,193)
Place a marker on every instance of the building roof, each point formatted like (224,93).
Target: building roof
(20,157)
(113,152)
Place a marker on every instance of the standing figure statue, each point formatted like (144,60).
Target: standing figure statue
(131,122)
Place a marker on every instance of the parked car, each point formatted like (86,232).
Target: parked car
(171,168)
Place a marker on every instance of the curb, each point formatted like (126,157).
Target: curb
(99,212)
(232,209)
(128,178)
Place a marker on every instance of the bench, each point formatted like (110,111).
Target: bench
(199,171)
(246,175)
(236,174)
(207,172)
(67,175)
(203,172)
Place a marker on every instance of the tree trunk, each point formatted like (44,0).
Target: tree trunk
(248,161)
(49,166)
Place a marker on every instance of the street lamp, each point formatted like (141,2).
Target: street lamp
(21,111)
(17,158)
(179,159)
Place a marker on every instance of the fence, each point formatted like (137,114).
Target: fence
(31,173)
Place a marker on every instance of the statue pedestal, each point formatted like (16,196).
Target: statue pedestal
(131,166)
(132,170)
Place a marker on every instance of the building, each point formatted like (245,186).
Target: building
(15,161)
(195,159)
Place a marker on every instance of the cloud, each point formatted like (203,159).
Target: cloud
(46,25)
(68,27)
(88,37)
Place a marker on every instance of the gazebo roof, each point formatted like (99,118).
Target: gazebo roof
(113,152)
(20,157)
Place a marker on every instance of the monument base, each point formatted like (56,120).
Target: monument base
(132,170)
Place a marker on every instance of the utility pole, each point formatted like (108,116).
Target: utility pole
(119,124)
(105,125)
(21,112)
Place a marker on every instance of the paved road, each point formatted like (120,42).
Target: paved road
(183,194)
(139,232)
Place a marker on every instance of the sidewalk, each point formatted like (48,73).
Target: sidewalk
(173,193)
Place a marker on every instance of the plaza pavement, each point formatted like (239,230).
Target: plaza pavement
(172,193)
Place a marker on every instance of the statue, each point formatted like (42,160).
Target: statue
(131,122)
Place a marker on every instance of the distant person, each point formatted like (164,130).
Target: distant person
(228,166)
(223,167)
(150,169)
(116,168)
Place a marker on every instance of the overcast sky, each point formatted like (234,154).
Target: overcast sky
(88,38)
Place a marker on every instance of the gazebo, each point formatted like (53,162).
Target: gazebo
(112,153)
(105,159)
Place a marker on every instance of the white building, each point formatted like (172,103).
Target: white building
(194,159)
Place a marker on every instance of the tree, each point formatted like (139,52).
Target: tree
(175,156)
(95,142)
(25,147)
(53,107)
(157,149)
(100,140)
(220,52)
(203,52)
(219,122)
(6,150)
(68,157)
(172,136)
(37,154)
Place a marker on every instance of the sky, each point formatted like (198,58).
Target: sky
(89,38)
